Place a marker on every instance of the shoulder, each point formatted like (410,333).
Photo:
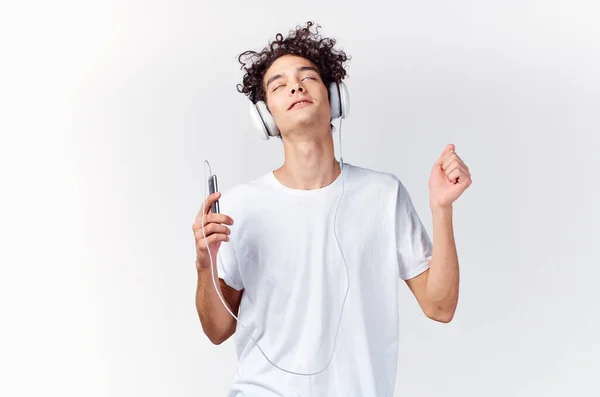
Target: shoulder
(382,183)
(369,178)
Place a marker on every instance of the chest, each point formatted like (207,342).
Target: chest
(299,238)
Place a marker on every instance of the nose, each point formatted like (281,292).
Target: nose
(298,88)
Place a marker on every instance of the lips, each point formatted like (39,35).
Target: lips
(299,101)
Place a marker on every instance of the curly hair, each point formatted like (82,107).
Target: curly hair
(300,42)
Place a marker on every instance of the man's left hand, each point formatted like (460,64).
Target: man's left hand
(449,178)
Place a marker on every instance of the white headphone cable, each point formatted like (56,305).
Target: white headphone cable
(218,290)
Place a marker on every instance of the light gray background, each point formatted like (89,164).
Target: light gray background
(110,108)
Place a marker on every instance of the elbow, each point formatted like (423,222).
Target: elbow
(214,336)
(218,337)
(442,317)
(440,314)
(215,340)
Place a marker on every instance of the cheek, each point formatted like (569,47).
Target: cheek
(278,109)
(273,105)
(326,98)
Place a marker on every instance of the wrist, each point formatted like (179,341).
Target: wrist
(202,266)
(440,209)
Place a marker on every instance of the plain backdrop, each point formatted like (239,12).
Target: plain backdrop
(110,108)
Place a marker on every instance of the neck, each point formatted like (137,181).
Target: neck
(309,161)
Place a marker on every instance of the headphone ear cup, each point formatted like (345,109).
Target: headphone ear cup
(344,100)
(263,120)
(339,100)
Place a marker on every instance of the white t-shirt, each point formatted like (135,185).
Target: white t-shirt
(284,254)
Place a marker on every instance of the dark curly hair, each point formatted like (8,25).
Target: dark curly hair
(301,42)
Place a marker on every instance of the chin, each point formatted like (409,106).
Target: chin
(304,120)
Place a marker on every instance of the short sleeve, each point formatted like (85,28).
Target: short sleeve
(227,265)
(413,245)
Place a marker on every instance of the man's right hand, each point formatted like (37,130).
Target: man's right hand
(215,230)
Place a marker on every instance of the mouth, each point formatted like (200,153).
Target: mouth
(300,103)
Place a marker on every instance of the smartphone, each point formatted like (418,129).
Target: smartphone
(212,187)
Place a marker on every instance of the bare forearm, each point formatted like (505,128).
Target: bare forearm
(217,322)
(443,279)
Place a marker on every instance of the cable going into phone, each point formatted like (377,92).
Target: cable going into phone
(218,290)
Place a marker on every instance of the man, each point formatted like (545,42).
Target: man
(280,266)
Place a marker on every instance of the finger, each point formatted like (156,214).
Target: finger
(453,176)
(449,161)
(457,166)
(213,238)
(458,174)
(449,148)
(446,157)
(212,228)
(214,217)
(209,202)
(454,165)
(210,239)
(460,161)
(451,156)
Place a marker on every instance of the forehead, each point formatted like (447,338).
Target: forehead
(286,64)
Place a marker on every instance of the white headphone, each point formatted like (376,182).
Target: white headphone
(265,124)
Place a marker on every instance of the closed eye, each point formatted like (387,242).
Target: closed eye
(307,77)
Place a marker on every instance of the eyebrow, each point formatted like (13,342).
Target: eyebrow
(300,69)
